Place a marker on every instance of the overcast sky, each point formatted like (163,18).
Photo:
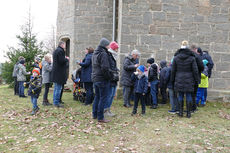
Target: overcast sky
(13,14)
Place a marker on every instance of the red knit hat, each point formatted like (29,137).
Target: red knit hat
(37,70)
(113,45)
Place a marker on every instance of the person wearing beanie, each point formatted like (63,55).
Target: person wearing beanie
(101,76)
(140,88)
(21,77)
(113,82)
(86,71)
(202,86)
(129,66)
(184,76)
(37,63)
(153,80)
(46,74)
(34,90)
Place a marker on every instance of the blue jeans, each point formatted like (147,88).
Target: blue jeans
(89,92)
(154,91)
(111,95)
(200,96)
(205,94)
(21,88)
(101,97)
(173,100)
(34,102)
(188,97)
(57,93)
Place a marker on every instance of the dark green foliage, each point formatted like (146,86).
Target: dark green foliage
(28,47)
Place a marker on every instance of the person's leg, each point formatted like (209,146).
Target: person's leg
(153,92)
(171,99)
(194,106)
(15,86)
(57,94)
(107,104)
(127,95)
(188,103)
(45,95)
(136,99)
(103,91)
(205,94)
(96,100)
(163,94)
(19,89)
(112,95)
(181,103)
(175,101)
(61,93)
(202,96)
(142,103)
(198,96)
(54,93)
(89,92)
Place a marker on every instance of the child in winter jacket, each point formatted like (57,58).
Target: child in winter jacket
(203,85)
(34,90)
(153,79)
(140,88)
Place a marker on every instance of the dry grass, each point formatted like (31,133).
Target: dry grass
(73,130)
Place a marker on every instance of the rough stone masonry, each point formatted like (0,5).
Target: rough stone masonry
(155,27)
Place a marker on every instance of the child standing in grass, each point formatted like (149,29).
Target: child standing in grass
(202,86)
(35,89)
(140,88)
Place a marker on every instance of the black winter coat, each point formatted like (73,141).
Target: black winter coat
(153,73)
(184,74)
(100,65)
(60,63)
(86,68)
(113,67)
(128,69)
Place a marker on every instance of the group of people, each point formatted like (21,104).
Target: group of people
(186,74)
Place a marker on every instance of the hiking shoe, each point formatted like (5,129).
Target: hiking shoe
(172,112)
(153,107)
(59,106)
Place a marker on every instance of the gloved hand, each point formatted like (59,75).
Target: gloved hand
(33,91)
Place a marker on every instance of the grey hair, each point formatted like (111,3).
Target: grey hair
(60,43)
(135,52)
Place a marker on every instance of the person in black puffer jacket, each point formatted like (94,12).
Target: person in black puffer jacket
(101,78)
(184,76)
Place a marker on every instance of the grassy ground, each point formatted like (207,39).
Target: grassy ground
(72,129)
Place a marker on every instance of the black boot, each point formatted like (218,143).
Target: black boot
(188,105)
(134,112)
(181,107)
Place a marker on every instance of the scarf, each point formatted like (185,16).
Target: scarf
(114,53)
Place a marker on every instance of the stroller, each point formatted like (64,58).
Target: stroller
(79,93)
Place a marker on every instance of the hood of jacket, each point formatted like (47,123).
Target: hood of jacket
(163,64)
(183,54)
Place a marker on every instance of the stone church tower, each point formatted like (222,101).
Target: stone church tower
(154,27)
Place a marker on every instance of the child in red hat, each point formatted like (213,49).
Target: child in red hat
(35,89)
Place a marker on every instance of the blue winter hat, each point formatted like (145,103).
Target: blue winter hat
(205,62)
(141,68)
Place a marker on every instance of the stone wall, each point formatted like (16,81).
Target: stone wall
(157,27)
